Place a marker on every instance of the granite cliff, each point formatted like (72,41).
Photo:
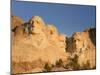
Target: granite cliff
(37,46)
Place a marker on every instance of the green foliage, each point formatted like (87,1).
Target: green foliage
(73,64)
(75,59)
(59,63)
(53,65)
(47,67)
(69,44)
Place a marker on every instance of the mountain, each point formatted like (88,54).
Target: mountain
(39,47)
(43,43)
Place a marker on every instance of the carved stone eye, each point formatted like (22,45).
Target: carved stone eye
(14,29)
(32,22)
(51,32)
(73,40)
(37,22)
(78,39)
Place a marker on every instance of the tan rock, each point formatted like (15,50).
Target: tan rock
(82,45)
(48,45)
(16,21)
(45,44)
(38,23)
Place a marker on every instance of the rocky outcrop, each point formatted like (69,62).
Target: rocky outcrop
(83,44)
(35,43)
(16,21)
(44,43)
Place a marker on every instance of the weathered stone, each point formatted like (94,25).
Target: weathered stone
(82,44)
(45,43)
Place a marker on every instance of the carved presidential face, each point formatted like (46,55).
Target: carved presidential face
(51,29)
(37,23)
(79,40)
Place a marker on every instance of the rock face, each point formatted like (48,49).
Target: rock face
(16,21)
(84,45)
(44,43)
(35,43)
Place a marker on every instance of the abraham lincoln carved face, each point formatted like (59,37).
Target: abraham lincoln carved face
(80,41)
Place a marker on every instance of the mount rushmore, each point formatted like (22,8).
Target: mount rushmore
(39,47)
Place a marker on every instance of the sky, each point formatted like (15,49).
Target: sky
(67,18)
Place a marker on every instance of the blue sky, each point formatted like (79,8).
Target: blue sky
(67,18)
